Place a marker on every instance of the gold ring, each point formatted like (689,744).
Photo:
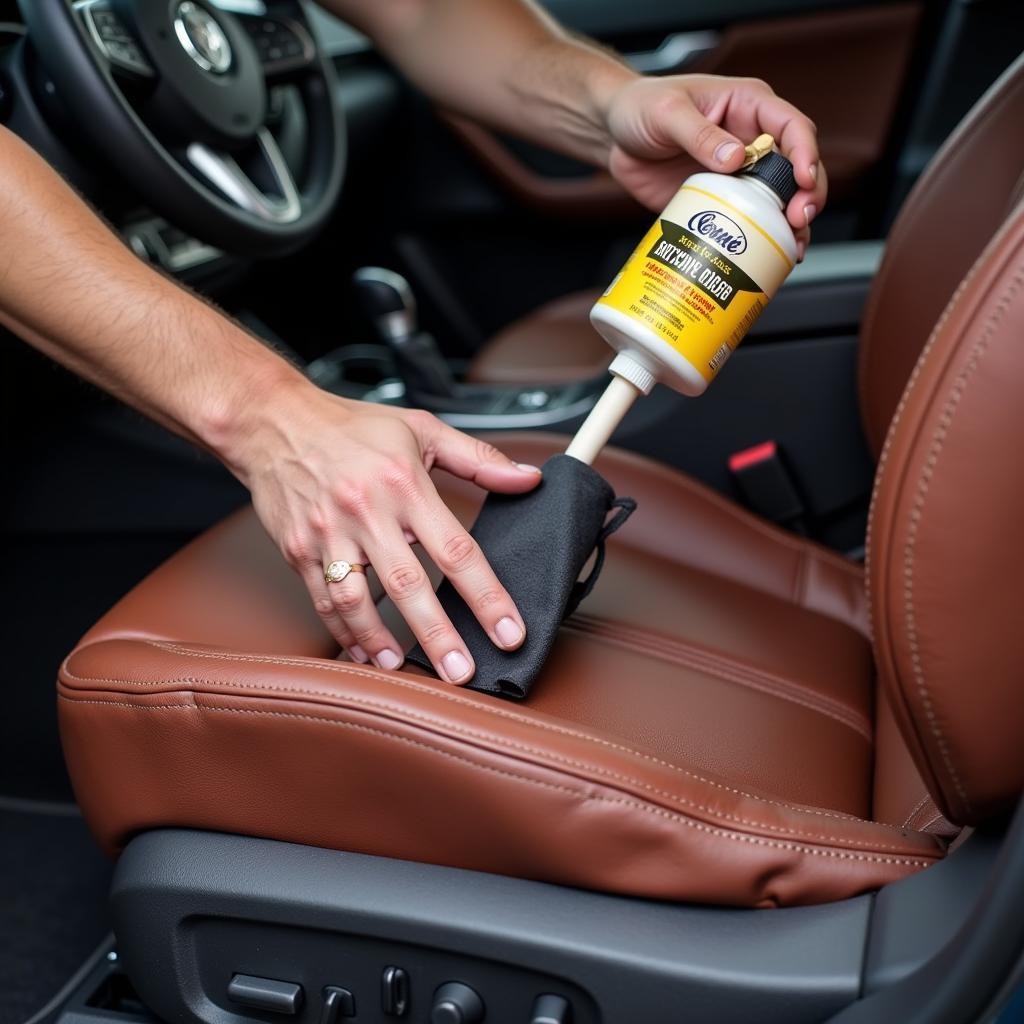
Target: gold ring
(337,571)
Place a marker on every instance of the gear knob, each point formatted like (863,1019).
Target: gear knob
(388,302)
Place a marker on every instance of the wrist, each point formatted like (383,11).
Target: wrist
(606,78)
(242,427)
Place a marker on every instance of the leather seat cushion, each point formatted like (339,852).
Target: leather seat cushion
(692,737)
(554,344)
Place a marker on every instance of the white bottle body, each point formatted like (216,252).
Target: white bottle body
(698,280)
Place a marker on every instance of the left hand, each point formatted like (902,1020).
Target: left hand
(664,129)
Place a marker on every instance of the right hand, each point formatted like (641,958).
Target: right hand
(335,479)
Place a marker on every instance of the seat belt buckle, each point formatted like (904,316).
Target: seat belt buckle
(767,486)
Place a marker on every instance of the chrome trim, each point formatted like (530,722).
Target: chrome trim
(84,8)
(520,421)
(674,52)
(221,170)
(212,54)
(400,324)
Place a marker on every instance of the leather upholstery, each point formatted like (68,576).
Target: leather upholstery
(709,728)
(956,206)
(945,561)
(692,737)
(554,344)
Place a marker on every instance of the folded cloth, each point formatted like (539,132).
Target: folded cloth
(537,544)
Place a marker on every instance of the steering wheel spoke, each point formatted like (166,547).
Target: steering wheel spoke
(112,40)
(284,44)
(264,186)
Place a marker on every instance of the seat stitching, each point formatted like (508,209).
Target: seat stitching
(927,473)
(525,748)
(920,804)
(587,797)
(326,666)
(707,661)
(346,669)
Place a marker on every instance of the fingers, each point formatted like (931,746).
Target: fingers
(355,608)
(325,608)
(459,557)
(807,203)
(702,138)
(473,459)
(409,588)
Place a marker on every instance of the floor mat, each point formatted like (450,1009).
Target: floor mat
(53,902)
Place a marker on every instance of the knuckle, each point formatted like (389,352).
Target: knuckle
(353,500)
(324,607)
(458,552)
(399,477)
(347,599)
(488,597)
(297,549)
(368,636)
(404,580)
(434,632)
(707,136)
(760,85)
(486,452)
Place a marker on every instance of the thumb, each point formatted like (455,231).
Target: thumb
(714,147)
(472,459)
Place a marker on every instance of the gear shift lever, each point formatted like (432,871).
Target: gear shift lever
(391,308)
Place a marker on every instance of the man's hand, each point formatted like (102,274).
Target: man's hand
(664,129)
(339,480)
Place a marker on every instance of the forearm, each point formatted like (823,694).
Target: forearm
(72,289)
(503,62)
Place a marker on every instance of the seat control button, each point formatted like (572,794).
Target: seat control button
(265,994)
(455,1003)
(338,1004)
(551,1010)
(394,992)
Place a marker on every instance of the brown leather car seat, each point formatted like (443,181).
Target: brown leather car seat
(715,724)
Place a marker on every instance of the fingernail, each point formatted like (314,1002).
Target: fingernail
(801,248)
(813,172)
(809,211)
(725,151)
(456,666)
(508,631)
(527,468)
(358,654)
(388,659)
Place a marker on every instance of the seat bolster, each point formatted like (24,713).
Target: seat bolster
(686,522)
(338,755)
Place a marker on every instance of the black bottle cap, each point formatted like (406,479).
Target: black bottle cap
(776,172)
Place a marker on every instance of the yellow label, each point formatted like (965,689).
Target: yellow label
(700,277)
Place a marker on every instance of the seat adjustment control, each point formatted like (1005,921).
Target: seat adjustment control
(338,1004)
(551,1010)
(265,994)
(394,992)
(455,1003)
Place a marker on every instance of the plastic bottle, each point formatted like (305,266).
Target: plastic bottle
(693,286)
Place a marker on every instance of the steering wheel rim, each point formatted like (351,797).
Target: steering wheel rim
(198,182)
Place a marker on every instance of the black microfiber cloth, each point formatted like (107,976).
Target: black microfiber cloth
(537,544)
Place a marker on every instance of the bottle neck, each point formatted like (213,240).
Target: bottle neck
(764,190)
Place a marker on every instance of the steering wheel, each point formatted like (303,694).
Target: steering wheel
(224,121)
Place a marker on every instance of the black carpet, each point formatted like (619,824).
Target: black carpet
(53,904)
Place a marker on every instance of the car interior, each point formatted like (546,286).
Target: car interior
(772,768)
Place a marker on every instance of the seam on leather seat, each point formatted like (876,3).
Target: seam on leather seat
(917,807)
(883,458)
(586,797)
(433,693)
(714,663)
(927,473)
(446,727)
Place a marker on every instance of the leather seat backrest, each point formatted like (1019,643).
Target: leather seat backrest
(954,209)
(945,552)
